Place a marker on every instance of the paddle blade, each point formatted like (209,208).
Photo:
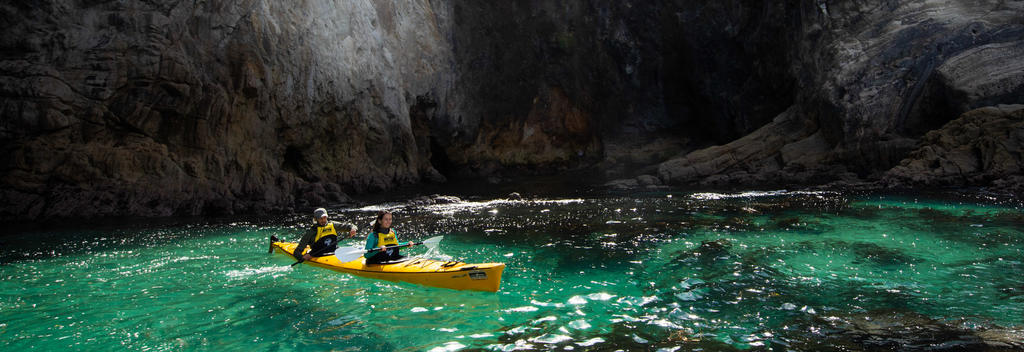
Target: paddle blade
(433,241)
(348,254)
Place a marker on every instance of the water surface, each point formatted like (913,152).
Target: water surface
(757,270)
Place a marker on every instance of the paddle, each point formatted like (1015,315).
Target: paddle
(319,253)
(348,254)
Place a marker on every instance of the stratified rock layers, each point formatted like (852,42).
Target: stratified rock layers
(153,109)
(873,77)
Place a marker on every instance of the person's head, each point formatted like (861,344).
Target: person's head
(383,221)
(320,214)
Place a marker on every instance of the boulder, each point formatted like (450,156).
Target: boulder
(982,147)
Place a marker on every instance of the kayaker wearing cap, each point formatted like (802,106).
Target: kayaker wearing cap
(383,236)
(322,237)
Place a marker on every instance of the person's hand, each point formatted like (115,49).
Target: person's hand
(409,244)
(306,257)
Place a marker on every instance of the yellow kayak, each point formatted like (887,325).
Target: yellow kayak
(426,272)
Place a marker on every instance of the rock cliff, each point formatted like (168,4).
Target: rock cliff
(872,78)
(157,108)
(161,108)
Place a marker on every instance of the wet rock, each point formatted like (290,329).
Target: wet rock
(433,199)
(514,196)
(439,199)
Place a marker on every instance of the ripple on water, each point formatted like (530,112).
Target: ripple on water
(250,272)
(738,270)
(579,324)
(550,339)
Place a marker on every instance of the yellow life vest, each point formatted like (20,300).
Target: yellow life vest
(386,239)
(323,231)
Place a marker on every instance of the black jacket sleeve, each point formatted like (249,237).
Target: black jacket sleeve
(307,239)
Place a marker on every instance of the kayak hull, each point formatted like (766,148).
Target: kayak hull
(426,272)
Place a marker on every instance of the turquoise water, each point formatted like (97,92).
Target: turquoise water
(654,271)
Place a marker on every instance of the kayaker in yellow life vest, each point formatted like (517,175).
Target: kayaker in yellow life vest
(322,237)
(383,237)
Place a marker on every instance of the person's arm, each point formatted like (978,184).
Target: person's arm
(371,243)
(345,227)
(303,243)
(400,244)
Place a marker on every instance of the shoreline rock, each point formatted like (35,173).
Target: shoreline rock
(983,147)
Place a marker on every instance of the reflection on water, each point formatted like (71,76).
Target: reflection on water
(672,271)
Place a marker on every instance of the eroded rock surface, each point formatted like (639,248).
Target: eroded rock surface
(873,77)
(981,147)
(152,108)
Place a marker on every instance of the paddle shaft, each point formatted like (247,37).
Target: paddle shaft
(353,253)
(408,244)
(322,252)
(319,253)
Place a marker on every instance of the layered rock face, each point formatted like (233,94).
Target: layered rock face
(873,77)
(155,108)
(152,108)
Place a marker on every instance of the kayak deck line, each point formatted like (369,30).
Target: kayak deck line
(427,272)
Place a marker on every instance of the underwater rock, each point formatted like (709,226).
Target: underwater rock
(906,331)
(714,247)
(883,256)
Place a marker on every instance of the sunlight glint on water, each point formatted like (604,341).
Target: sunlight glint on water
(711,270)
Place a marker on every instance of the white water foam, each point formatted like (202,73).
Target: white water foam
(247,272)
(452,208)
(756,194)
